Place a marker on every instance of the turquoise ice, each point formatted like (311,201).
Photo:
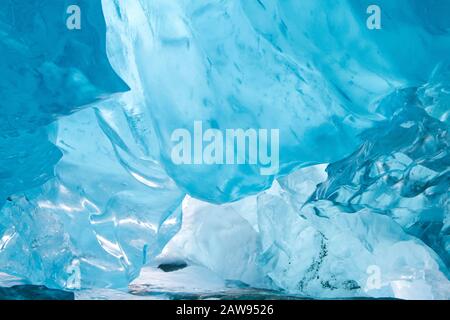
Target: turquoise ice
(89,193)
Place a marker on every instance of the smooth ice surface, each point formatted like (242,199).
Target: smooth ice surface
(95,217)
(219,238)
(323,74)
(89,193)
(46,71)
(98,221)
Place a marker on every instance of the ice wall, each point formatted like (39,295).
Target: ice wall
(89,192)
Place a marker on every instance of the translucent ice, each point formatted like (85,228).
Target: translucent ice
(100,219)
(331,252)
(46,71)
(323,73)
(360,205)
(95,217)
(220,237)
(402,168)
(313,248)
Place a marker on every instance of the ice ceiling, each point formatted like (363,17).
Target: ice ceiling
(87,186)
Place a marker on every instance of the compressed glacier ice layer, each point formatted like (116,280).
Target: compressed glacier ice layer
(46,71)
(323,74)
(89,193)
(83,221)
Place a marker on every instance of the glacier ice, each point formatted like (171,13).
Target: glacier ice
(94,218)
(47,71)
(331,251)
(195,59)
(207,227)
(407,155)
(308,247)
(68,224)
(89,194)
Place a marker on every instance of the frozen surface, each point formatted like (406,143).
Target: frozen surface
(323,74)
(95,217)
(220,238)
(309,247)
(47,71)
(89,194)
(97,222)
